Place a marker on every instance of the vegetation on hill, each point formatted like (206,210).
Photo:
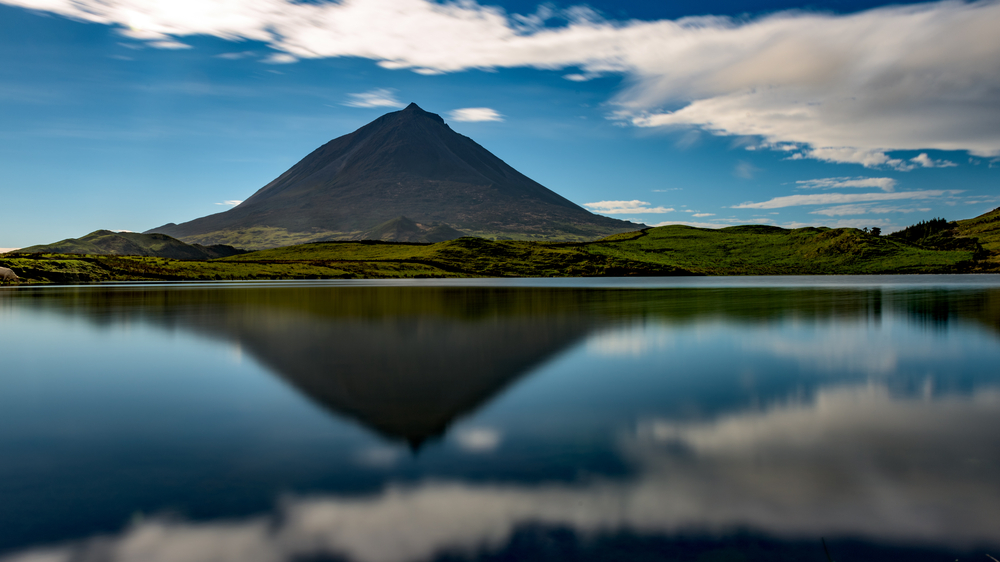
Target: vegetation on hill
(669,250)
(110,243)
(985,229)
(769,250)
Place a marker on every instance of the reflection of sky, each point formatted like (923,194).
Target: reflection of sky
(793,428)
(856,462)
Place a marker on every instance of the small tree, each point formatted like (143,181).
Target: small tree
(876,231)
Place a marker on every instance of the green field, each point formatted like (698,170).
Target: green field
(669,250)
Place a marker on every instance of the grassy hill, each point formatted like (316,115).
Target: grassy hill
(986,229)
(109,243)
(769,250)
(668,250)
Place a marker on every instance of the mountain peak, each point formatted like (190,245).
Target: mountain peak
(405,163)
(413,110)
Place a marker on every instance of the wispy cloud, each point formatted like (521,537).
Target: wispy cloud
(745,170)
(380,97)
(700,215)
(475,114)
(834,198)
(865,209)
(624,207)
(693,223)
(841,88)
(230,203)
(885,184)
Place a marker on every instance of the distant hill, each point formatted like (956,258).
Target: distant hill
(406,163)
(402,229)
(109,243)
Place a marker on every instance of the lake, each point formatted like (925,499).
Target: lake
(702,420)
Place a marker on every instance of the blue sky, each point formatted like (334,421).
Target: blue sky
(128,114)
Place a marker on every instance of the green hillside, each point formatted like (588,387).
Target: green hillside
(769,250)
(109,243)
(986,230)
(936,246)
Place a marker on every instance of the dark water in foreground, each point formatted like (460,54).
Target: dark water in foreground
(703,421)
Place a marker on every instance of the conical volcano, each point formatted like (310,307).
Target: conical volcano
(410,164)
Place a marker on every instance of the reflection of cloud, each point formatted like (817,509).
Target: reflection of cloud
(478,440)
(379,456)
(630,341)
(840,350)
(857,462)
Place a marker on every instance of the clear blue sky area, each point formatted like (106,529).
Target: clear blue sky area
(132,114)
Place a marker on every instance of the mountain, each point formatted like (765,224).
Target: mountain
(108,243)
(407,163)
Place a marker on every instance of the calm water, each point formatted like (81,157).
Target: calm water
(702,420)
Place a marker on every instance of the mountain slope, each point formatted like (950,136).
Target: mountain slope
(108,243)
(402,229)
(406,163)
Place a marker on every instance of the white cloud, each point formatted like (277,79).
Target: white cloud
(169,44)
(475,114)
(925,161)
(236,55)
(842,88)
(885,184)
(624,207)
(699,215)
(281,58)
(380,97)
(865,209)
(834,198)
(230,203)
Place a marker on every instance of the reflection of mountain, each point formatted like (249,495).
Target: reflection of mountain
(407,361)
(407,378)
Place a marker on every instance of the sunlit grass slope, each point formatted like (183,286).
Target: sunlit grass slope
(986,229)
(769,250)
(669,250)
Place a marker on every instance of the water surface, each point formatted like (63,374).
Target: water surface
(663,419)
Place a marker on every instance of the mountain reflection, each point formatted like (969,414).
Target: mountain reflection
(857,462)
(408,361)
(777,414)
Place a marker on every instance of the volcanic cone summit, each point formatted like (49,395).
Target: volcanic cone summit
(407,163)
